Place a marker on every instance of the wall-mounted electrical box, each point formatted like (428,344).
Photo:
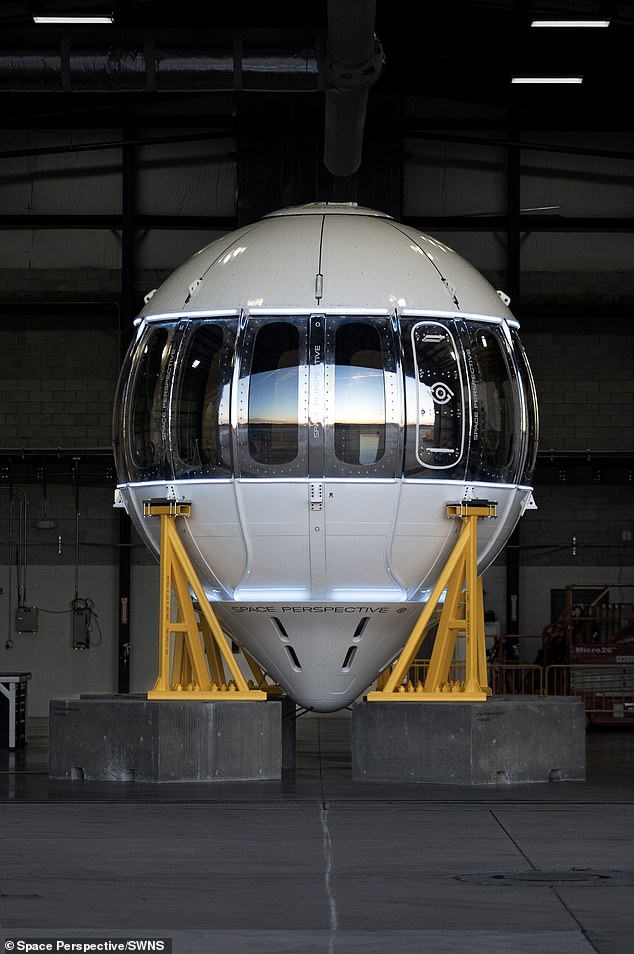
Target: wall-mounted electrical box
(26,619)
(82,618)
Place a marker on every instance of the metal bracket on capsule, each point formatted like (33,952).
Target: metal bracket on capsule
(473,508)
(166,506)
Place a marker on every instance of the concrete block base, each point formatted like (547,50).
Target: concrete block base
(504,740)
(120,738)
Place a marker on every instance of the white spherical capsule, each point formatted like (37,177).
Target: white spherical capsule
(320,385)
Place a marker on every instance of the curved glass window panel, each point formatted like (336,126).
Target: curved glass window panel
(147,405)
(440,411)
(273,407)
(119,425)
(359,392)
(200,411)
(495,443)
(531,412)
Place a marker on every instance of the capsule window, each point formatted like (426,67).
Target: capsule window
(495,407)
(200,412)
(359,395)
(273,429)
(530,425)
(147,405)
(440,413)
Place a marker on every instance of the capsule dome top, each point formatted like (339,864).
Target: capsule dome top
(329,208)
(327,255)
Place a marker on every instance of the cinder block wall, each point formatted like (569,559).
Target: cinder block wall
(585,386)
(58,375)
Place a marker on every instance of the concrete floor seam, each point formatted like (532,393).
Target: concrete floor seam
(512,840)
(329,877)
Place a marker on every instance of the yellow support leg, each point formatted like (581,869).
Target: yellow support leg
(214,656)
(193,654)
(181,663)
(260,675)
(216,666)
(463,611)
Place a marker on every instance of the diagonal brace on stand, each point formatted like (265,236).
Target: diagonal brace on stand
(194,666)
(463,611)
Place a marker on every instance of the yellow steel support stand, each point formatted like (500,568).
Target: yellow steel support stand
(463,611)
(194,666)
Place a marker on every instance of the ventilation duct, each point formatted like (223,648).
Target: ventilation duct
(354,62)
(131,62)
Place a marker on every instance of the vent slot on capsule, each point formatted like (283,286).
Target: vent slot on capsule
(360,630)
(347,663)
(280,629)
(292,655)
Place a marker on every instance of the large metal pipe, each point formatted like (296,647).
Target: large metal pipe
(354,62)
(344,125)
(129,62)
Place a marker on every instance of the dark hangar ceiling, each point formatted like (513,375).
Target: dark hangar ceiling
(461,53)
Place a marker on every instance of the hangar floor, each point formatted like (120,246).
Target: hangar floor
(319,863)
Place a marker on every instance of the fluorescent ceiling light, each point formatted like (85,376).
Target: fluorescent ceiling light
(546,79)
(570,23)
(64,20)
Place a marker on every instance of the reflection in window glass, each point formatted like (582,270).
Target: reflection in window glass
(493,443)
(200,413)
(359,395)
(439,426)
(274,395)
(146,411)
